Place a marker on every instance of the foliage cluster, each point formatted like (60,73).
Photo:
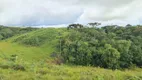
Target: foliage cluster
(109,47)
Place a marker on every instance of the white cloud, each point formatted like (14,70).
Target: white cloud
(121,13)
(57,12)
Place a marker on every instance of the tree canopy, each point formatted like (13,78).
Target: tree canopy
(109,46)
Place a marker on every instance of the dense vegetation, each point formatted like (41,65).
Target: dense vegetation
(72,54)
(113,47)
(109,47)
(6,32)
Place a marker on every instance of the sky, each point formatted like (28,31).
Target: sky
(63,12)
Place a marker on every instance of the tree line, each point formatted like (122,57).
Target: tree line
(7,32)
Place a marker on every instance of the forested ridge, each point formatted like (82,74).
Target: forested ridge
(113,47)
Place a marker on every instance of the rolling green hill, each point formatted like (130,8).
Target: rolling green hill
(34,61)
(34,45)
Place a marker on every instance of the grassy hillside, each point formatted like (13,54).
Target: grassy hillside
(63,72)
(34,62)
(23,52)
(41,37)
(34,45)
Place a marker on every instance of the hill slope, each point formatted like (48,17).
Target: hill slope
(33,50)
(34,45)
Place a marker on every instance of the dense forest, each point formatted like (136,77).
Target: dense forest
(113,47)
